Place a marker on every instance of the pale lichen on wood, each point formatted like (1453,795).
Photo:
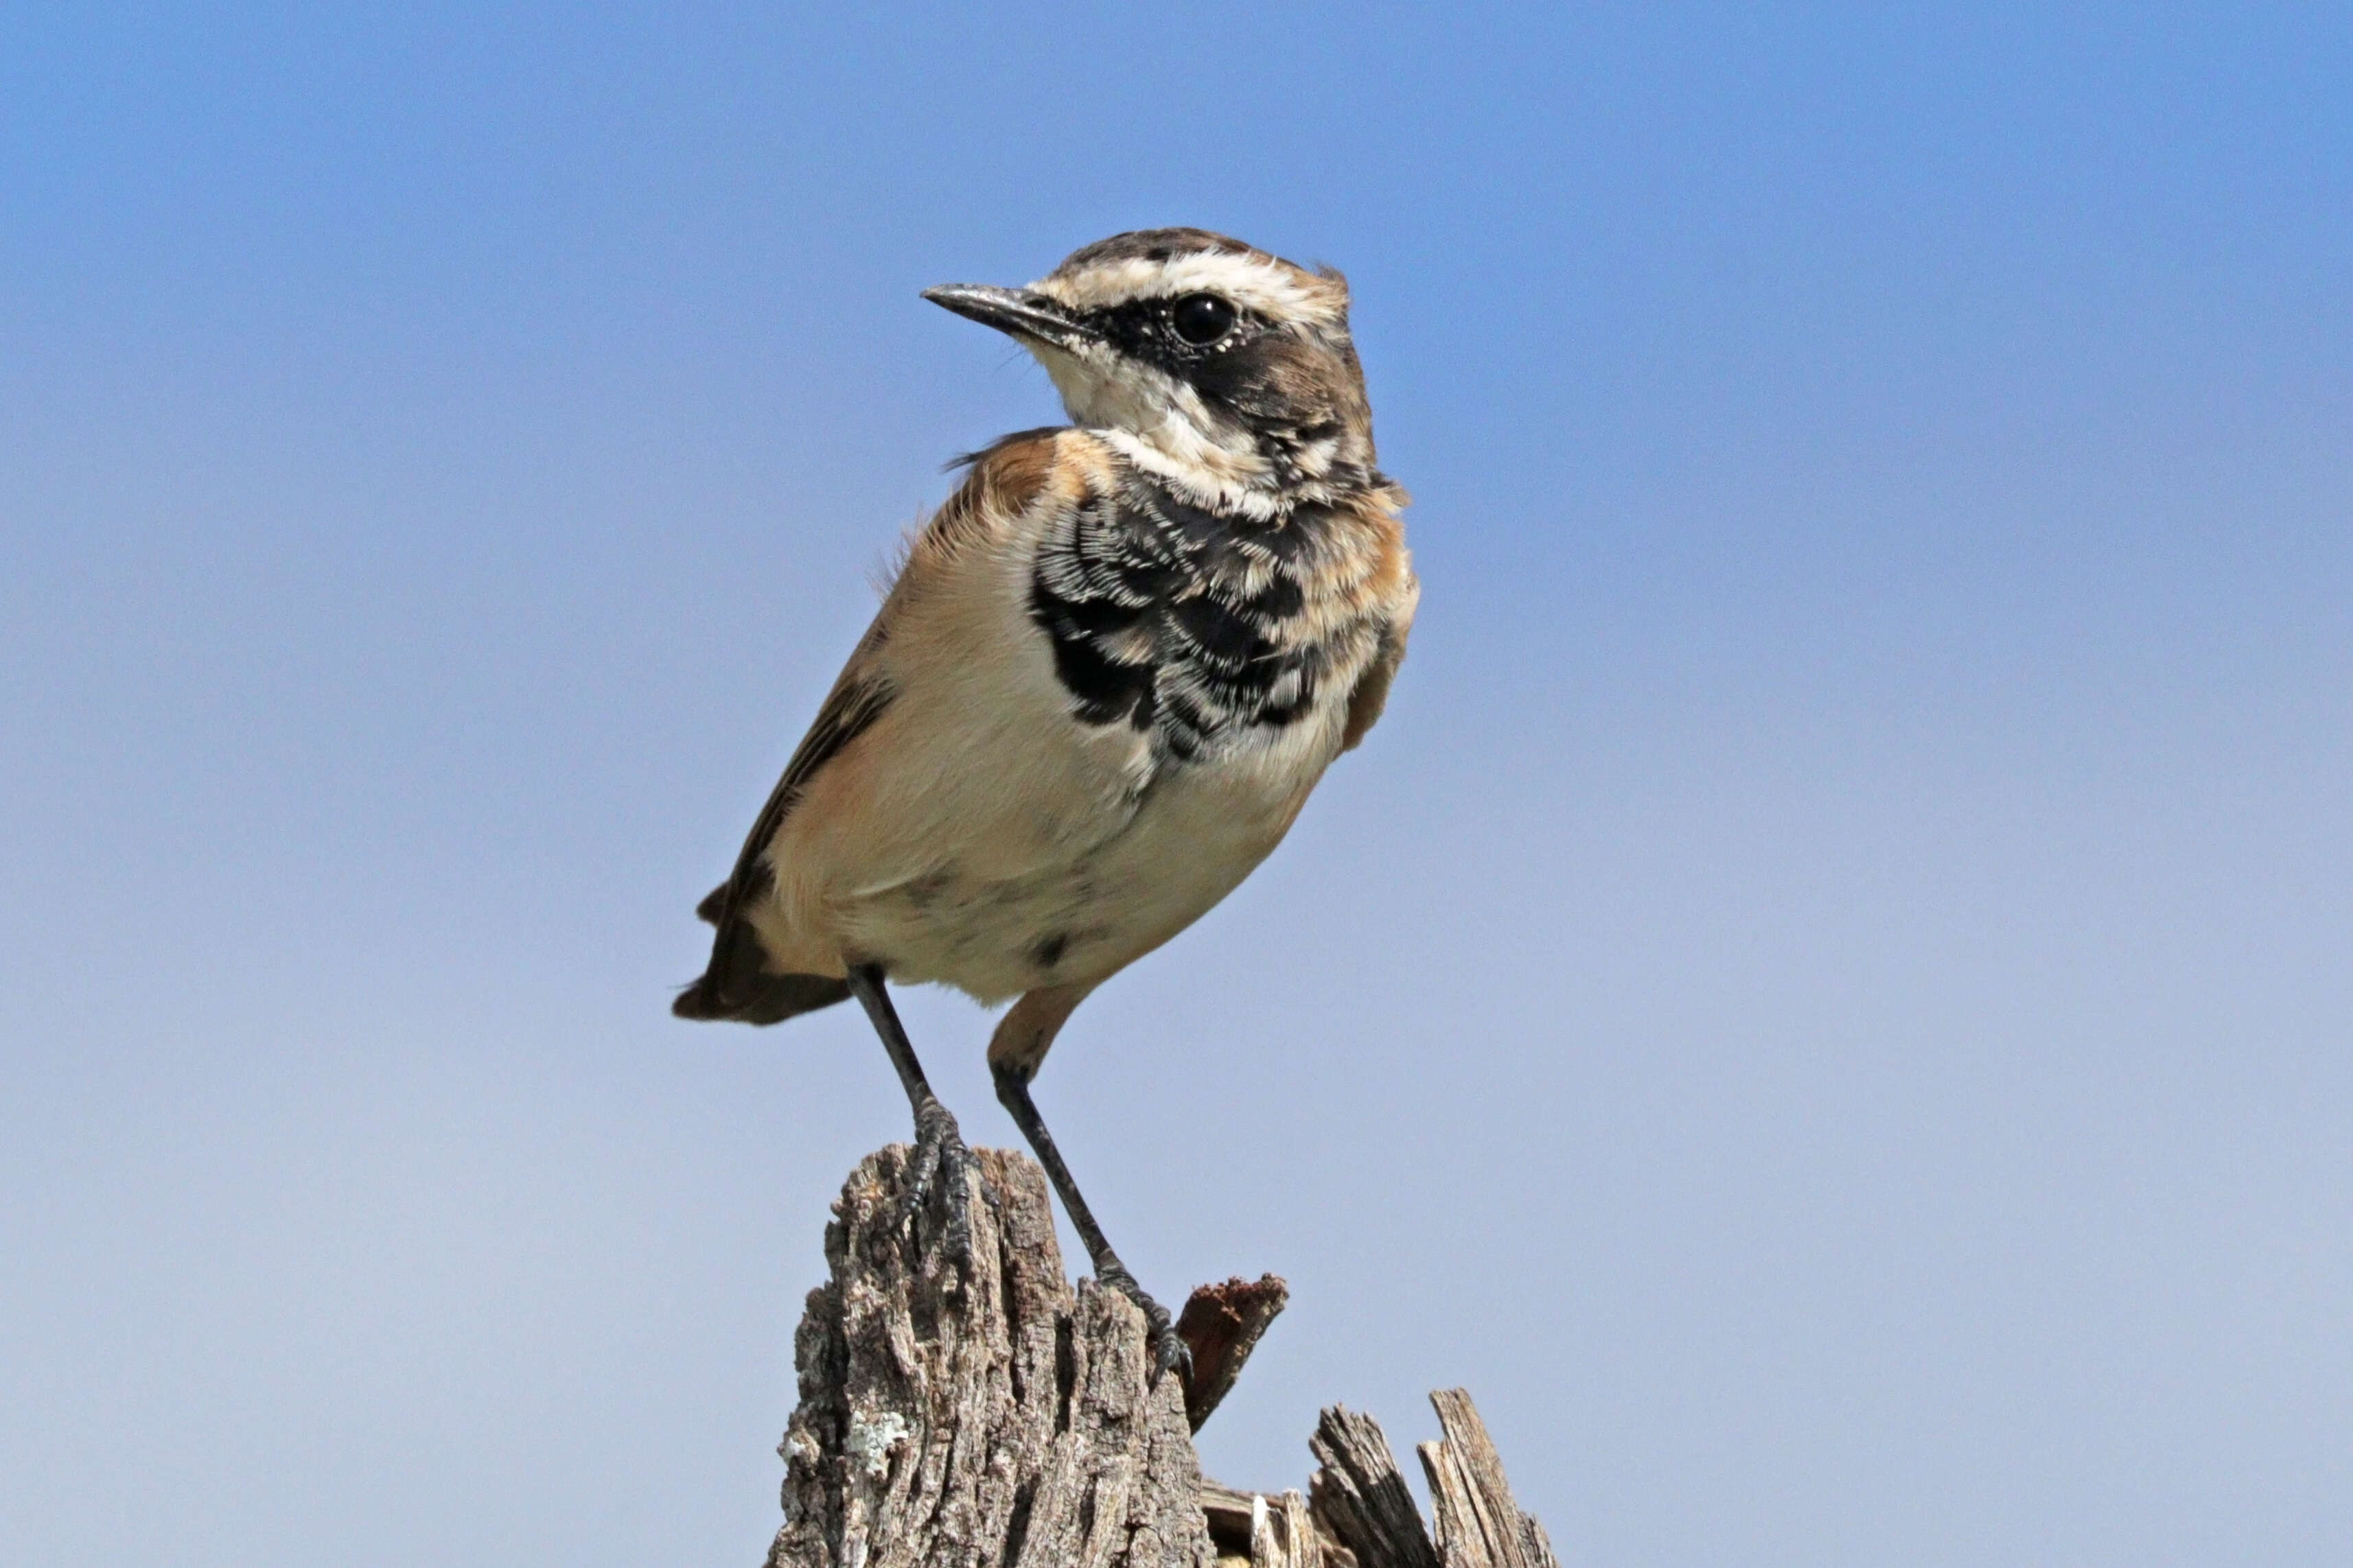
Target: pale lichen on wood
(968,1406)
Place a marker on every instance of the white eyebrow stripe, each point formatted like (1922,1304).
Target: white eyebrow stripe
(1270,288)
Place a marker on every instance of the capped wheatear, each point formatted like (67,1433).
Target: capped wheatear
(1115,662)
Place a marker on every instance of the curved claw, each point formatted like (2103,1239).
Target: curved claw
(940,1151)
(1169,1353)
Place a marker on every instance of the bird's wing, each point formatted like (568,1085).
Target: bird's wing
(858,698)
(736,983)
(1371,693)
(1003,479)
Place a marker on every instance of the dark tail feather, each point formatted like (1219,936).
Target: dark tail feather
(769,999)
(737,985)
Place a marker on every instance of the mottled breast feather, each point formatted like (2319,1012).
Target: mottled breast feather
(1201,627)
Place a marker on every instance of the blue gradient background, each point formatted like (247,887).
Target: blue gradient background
(1825,1003)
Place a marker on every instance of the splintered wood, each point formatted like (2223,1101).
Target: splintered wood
(1359,1500)
(1220,1326)
(968,1406)
(1479,1525)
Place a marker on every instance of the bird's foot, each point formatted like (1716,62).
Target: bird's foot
(1167,1351)
(940,1157)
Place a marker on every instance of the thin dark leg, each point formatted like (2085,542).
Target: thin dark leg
(1013,1092)
(866,984)
(939,1146)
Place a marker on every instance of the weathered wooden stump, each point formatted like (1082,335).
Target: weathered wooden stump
(969,1407)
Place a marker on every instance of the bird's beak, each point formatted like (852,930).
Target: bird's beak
(1014,311)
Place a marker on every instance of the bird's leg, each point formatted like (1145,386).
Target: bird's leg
(939,1145)
(1168,1351)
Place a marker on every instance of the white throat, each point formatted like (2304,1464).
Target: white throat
(1161,425)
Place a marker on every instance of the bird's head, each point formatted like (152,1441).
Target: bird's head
(1216,366)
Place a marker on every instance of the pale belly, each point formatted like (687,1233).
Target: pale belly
(1192,839)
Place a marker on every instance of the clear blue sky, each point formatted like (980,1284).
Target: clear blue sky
(1826,1003)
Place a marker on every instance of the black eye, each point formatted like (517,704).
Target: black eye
(1201,319)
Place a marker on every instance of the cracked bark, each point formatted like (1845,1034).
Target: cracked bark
(977,1409)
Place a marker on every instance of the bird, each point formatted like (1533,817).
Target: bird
(1108,672)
